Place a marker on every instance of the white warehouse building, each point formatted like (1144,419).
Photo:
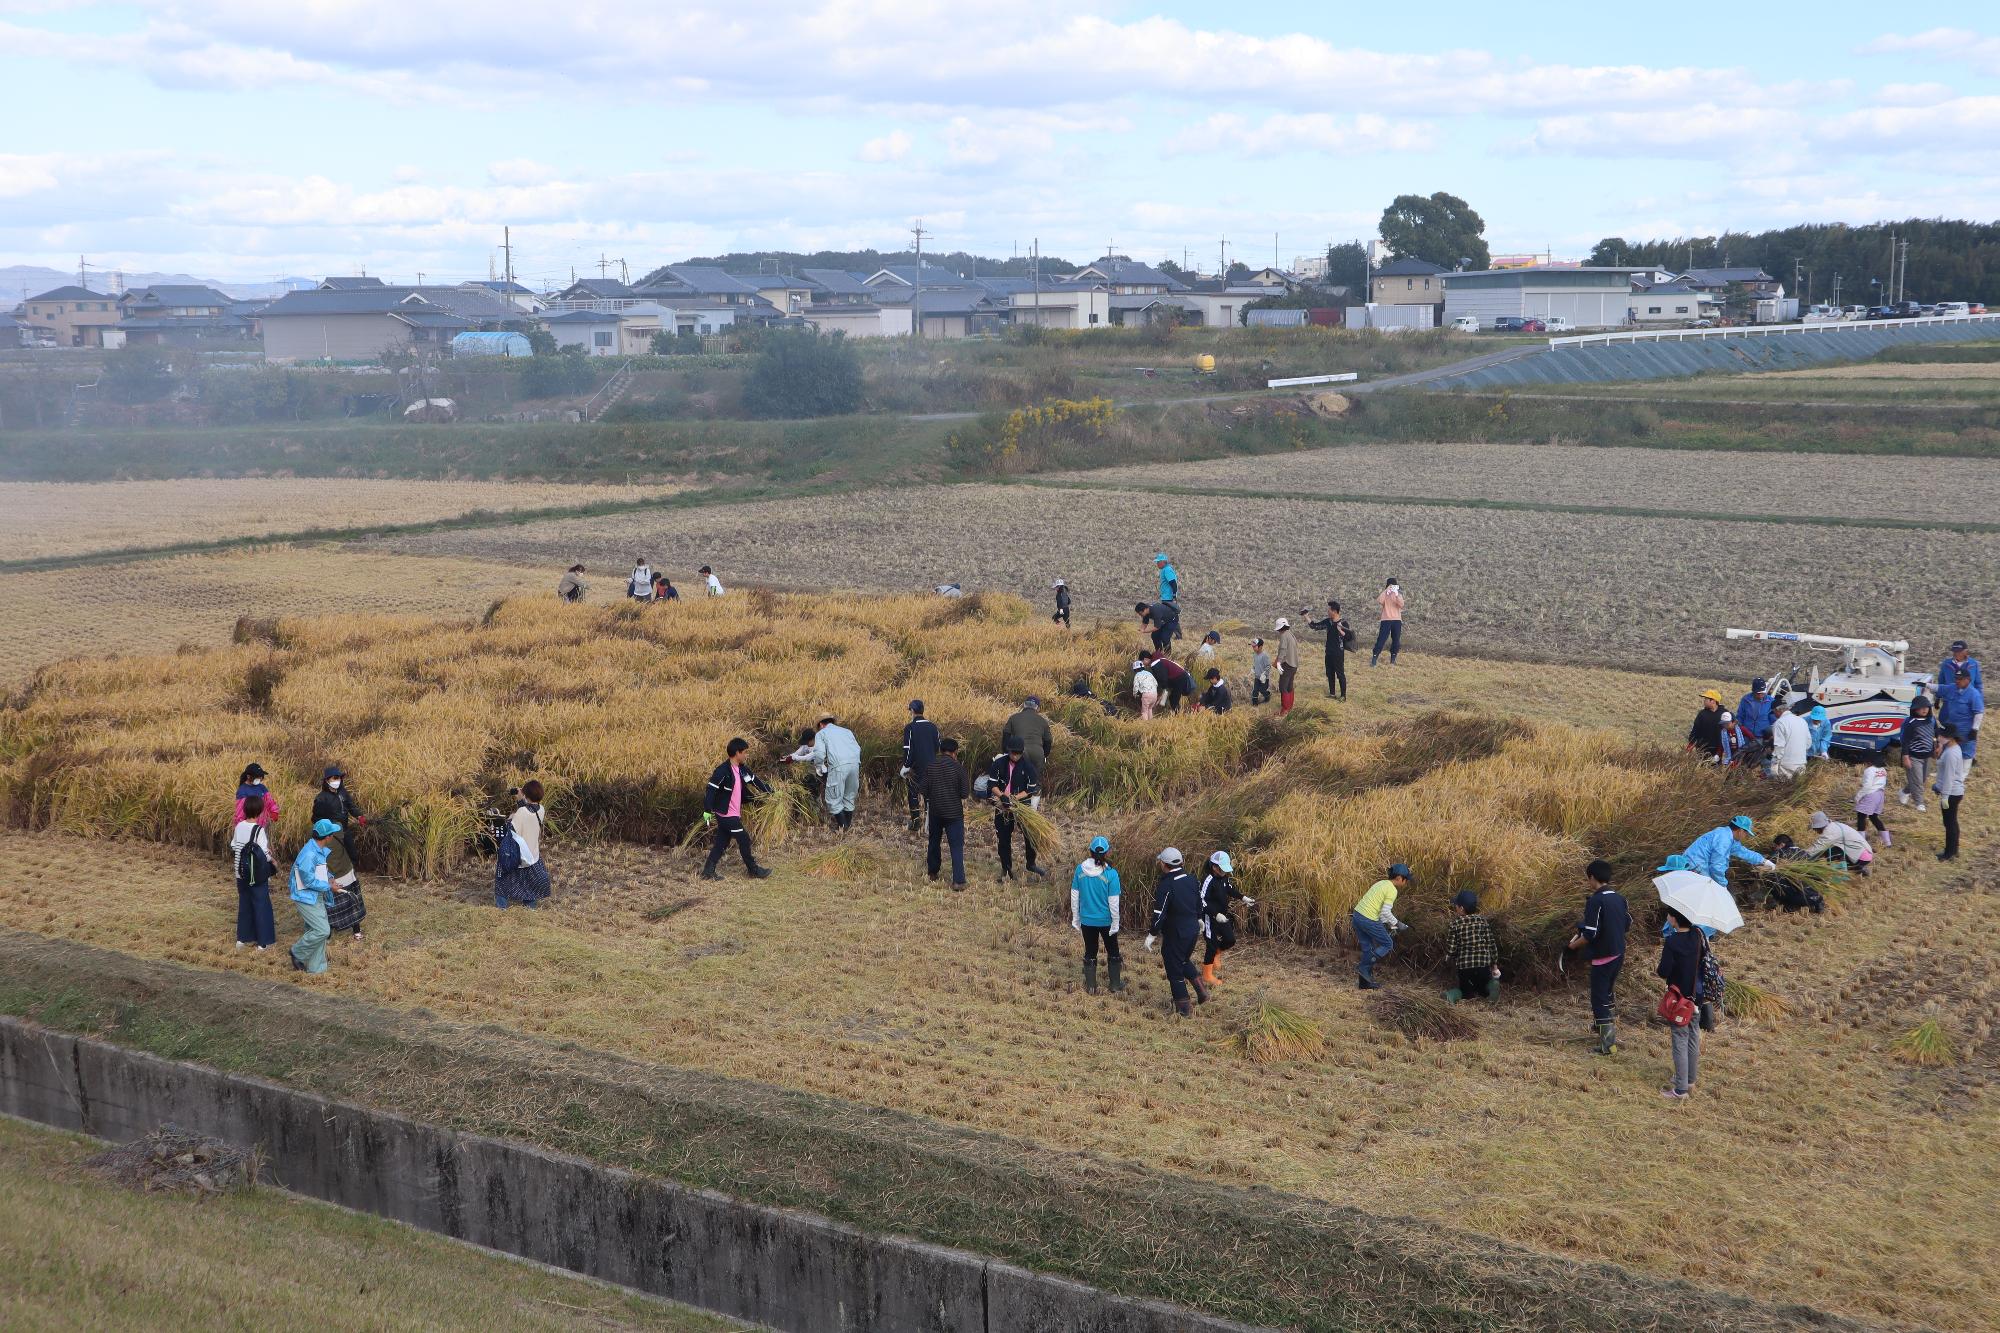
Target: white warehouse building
(1589,298)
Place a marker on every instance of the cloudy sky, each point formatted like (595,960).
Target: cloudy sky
(243,139)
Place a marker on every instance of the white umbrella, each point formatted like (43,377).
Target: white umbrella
(1699,899)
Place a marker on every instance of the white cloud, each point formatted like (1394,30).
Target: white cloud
(1703,130)
(1958,45)
(890,147)
(992,137)
(1960,121)
(1314,132)
(517,171)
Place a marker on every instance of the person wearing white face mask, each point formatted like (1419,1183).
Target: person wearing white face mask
(336,803)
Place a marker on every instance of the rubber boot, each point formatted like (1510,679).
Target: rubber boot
(1607,1039)
(1454,995)
(1116,966)
(1492,988)
(1183,1008)
(1200,990)
(1887,841)
(1090,977)
(1208,973)
(1284,704)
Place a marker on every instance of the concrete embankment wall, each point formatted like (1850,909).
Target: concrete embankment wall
(773,1266)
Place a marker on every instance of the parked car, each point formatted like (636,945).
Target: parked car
(1465,324)
(1855,312)
(1558,324)
(1509,324)
(1881,312)
(1533,324)
(1953,308)
(1975,307)
(1702,324)
(1906,310)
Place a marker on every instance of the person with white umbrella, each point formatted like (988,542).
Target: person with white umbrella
(1682,956)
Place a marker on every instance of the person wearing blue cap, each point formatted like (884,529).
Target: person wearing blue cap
(1170,579)
(1820,732)
(1711,853)
(1753,711)
(1374,918)
(1093,913)
(1959,659)
(1175,926)
(1473,949)
(1606,919)
(312,894)
(1218,891)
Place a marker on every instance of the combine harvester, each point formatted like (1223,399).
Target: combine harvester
(1868,699)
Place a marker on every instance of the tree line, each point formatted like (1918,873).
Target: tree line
(1948,259)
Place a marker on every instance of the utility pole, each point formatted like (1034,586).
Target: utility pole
(1222,260)
(507,247)
(917,233)
(1035,270)
(80,267)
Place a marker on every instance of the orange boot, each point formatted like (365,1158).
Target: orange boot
(1208,974)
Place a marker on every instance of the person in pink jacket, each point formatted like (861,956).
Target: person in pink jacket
(1390,633)
(252,784)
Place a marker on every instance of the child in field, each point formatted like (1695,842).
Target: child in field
(1868,802)
(1474,951)
(714,583)
(1145,688)
(1260,673)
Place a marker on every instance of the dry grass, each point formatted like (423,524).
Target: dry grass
(1927,1044)
(1938,489)
(77,1252)
(39,519)
(1276,1034)
(155,606)
(1643,593)
(1972,371)
(1746,999)
(1422,1016)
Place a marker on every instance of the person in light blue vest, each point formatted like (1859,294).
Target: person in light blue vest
(312,894)
(1093,913)
(1821,727)
(1711,853)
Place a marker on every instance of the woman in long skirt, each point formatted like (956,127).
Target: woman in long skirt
(523,878)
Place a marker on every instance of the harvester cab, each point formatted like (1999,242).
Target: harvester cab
(1867,697)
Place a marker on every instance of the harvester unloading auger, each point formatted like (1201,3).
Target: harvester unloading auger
(1867,698)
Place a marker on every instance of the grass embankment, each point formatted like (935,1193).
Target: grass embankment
(80,1252)
(622,712)
(1149,1229)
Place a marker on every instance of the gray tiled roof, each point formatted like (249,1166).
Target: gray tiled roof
(837,282)
(471,303)
(1409,268)
(348,284)
(71,293)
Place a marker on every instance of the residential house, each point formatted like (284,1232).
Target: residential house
(13,333)
(181,315)
(364,323)
(832,286)
(1589,298)
(1664,303)
(1070,305)
(349,284)
(1407,282)
(514,293)
(1276,279)
(788,295)
(1765,295)
(696,280)
(594,294)
(1122,276)
(71,316)
(858,319)
(594,332)
(1220,302)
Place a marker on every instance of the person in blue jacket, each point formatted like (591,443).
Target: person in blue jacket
(1961,705)
(1093,913)
(1711,853)
(1960,659)
(1822,731)
(1753,711)
(312,894)
(1170,579)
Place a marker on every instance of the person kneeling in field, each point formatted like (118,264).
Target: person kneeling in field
(1145,688)
(1841,840)
(1216,698)
(1473,949)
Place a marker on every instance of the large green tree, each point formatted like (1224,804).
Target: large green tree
(1441,228)
(1610,251)
(1347,266)
(804,374)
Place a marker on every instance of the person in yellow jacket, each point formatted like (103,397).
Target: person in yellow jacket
(1374,918)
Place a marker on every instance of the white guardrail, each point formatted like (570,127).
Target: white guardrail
(1767,330)
(1312,379)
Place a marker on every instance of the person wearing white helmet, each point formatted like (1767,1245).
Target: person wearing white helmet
(1061,617)
(1176,925)
(1288,664)
(1218,892)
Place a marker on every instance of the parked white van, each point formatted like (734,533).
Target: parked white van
(1954,307)
(1465,324)
(1558,324)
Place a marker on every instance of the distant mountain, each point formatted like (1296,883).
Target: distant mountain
(19,281)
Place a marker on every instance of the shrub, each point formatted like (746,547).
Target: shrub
(566,373)
(800,374)
(1029,438)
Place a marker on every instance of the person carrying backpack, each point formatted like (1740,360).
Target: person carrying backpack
(520,875)
(250,848)
(1339,638)
(1093,913)
(1683,959)
(639,586)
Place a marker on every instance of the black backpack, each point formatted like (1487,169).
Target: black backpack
(1347,637)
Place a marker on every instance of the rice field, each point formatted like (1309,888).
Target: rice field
(159,605)
(1938,490)
(1983,373)
(1638,593)
(45,519)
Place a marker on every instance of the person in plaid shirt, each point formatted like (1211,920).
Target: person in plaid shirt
(1473,951)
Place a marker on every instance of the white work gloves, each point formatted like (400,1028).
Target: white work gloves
(1249,902)
(1076,925)
(1151,940)
(903,772)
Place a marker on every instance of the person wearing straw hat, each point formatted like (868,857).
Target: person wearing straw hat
(1218,892)
(1474,951)
(1175,926)
(1834,836)
(1711,853)
(1705,735)
(1061,617)
(1093,913)
(1374,918)
(1601,931)
(312,894)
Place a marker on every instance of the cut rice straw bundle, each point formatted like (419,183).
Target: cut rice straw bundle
(776,818)
(1277,1034)
(1828,880)
(1743,999)
(1039,829)
(1422,1016)
(1927,1044)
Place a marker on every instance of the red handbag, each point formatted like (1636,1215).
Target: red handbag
(1677,1008)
